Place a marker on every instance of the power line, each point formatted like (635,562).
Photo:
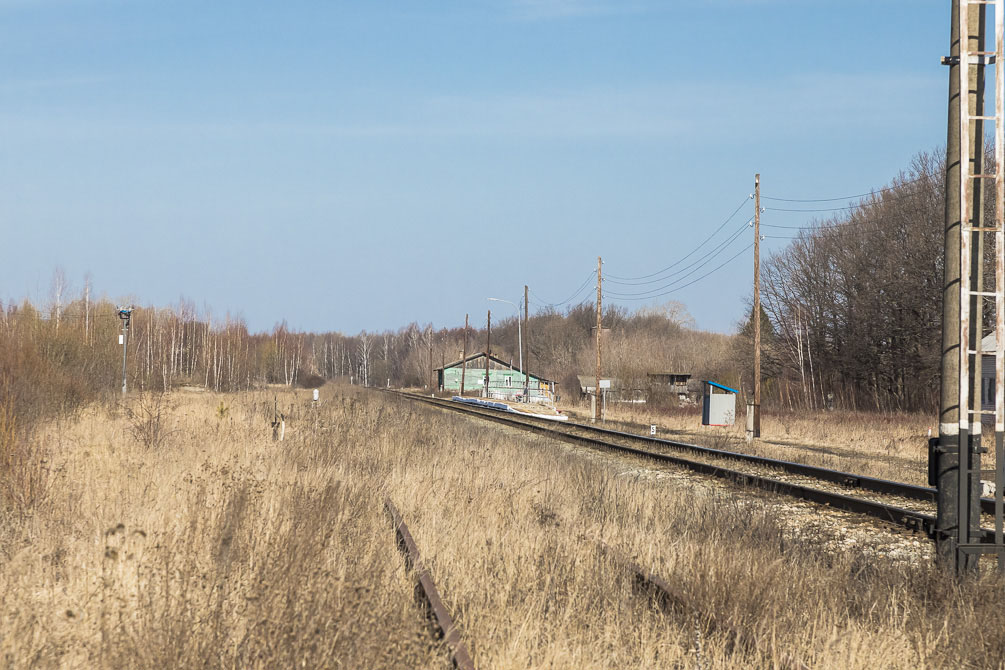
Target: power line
(698,279)
(859,205)
(713,252)
(696,265)
(850,197)
(692,252)
(676,281)
(570,298)
(830,226)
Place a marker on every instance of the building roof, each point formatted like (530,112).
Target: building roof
(669,374)
(720,386)
(481,354)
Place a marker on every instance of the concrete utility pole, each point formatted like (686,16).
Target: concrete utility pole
(948,449)
(596,389)
(488,353)
(126,314)
(526,343)
(757,305)
(464,354)
(429,343)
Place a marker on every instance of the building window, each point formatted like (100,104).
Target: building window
(509,380)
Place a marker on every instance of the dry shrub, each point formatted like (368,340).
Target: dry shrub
(147,416)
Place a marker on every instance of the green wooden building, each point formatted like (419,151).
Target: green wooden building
(505,380)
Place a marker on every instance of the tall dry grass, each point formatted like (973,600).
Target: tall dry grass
(221,548)
(217,548)
(513,522)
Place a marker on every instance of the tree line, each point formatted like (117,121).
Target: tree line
(854,302)
(851,318)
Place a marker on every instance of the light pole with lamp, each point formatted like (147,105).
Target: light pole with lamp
(519,338)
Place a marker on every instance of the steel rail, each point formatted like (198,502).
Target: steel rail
(849,479)
(913,520)
(440,614)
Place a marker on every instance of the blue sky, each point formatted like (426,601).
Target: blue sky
(349,166)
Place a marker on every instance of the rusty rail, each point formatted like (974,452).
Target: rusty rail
(674,599)
(440,618)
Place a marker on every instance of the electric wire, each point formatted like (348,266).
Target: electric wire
(850,197)
(693,267)
(579,290)
(693,251)
(859,205)
(697,279)
(713,252)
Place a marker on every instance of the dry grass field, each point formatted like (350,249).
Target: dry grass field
(171,531)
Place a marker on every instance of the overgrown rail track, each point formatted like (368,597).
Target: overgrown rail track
(671,598)
(426,589)
(914,509)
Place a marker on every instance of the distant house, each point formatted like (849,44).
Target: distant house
(505,381)
(673,382)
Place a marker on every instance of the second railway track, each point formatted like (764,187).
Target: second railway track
(913,506)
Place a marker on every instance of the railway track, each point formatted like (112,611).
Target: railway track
(914,506)
(648,584)
(671,598)
(437,612)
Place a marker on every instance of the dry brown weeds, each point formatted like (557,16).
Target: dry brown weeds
(225,549)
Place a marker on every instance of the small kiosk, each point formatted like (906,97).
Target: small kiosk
(718,406)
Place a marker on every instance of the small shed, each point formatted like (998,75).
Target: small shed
(505,381)
(675,383)
(718,407)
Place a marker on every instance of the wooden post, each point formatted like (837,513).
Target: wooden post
(596,389)
(488,352)
(464,354)
(526,345)
(757,306)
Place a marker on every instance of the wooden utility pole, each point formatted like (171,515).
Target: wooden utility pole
(596,389)
(757,305)
(526,345)
(464,354)
(488,353)
(429,342)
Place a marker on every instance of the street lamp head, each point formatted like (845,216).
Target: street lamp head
(506,301)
